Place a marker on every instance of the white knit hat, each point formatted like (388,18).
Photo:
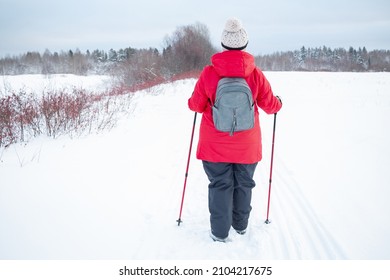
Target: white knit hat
(234,36)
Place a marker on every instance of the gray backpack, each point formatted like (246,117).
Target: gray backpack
(233,109)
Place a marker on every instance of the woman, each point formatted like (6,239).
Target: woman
(230,160)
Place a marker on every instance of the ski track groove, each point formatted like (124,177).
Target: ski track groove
(285,198)
(289,193)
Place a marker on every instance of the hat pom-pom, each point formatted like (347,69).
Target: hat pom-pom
(233,25)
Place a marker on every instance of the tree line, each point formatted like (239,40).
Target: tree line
(188,49)
(327,59)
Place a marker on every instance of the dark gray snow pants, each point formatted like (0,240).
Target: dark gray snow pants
(230,194)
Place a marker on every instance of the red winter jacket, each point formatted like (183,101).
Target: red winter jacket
(242,147)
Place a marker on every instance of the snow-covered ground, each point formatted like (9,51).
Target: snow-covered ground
(116,195)
(38,84)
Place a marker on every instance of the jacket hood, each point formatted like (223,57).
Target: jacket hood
(233,63)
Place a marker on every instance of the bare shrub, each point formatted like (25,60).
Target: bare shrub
(56,113)
(189,48)
(7,121)
(24,116)
(19,118)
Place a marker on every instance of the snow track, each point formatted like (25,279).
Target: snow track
(297,223)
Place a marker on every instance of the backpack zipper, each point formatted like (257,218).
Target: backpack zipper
(234,123)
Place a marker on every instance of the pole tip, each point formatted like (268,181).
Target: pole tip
(179,221)
(267,221)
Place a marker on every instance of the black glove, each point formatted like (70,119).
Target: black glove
(280,99)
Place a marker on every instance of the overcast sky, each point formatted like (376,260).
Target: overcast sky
(272,25)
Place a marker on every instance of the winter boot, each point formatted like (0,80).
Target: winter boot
(213,237)
(241,232)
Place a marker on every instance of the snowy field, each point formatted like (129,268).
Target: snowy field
(116,195)
(39,84)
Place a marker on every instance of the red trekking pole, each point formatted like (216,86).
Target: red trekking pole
(186,174)
(270,172)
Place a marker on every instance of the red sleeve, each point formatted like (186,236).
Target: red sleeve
(199,100)
(265,98)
